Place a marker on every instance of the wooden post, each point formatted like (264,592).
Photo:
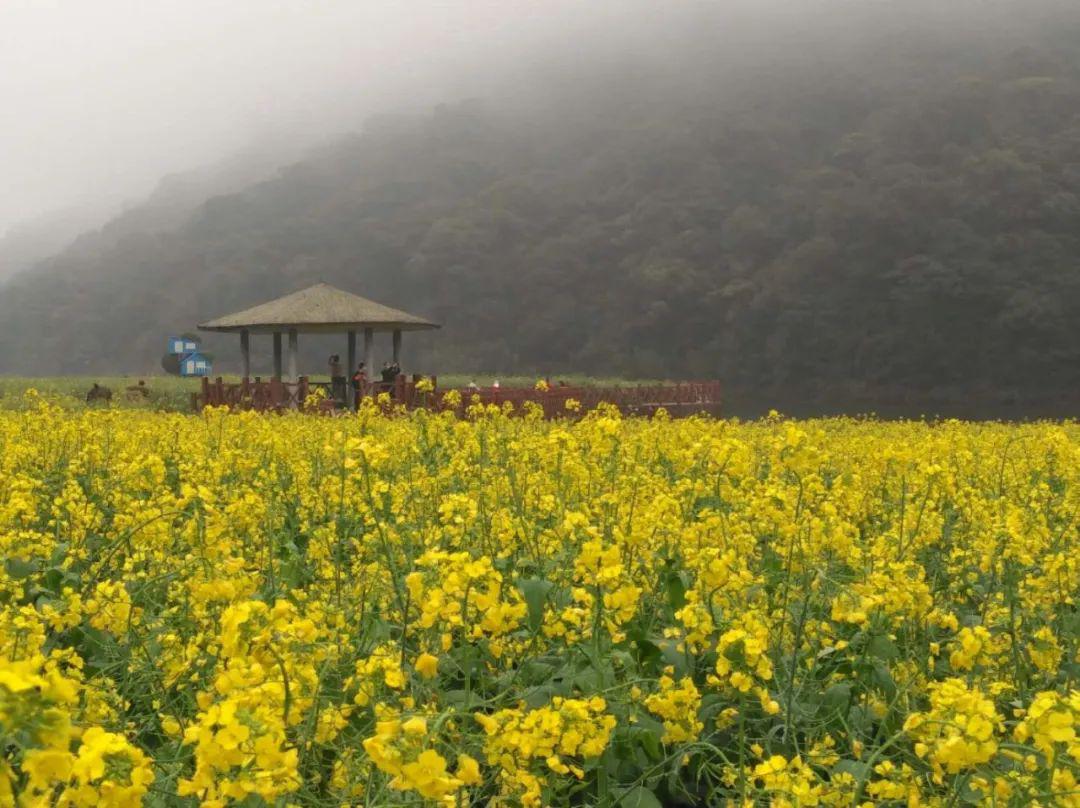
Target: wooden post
(293,345)
(277,355)
(350,366)
(245,353)
(369,342)
(350,369)
(397,346)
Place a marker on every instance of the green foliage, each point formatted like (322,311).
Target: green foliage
(165,392)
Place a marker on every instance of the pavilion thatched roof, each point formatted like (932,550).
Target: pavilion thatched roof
(319,308)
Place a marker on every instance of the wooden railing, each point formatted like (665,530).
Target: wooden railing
(274,395)
(679,398)
(253,394)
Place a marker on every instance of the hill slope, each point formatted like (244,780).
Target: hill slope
(901,233)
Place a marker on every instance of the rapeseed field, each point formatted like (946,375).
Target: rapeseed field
(235,609)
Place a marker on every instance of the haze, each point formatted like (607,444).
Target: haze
(102,98)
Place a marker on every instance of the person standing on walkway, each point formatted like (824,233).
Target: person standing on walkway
(359,384)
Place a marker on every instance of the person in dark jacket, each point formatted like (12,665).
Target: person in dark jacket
(359,383)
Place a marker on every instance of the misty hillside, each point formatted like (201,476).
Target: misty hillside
(901,226)
(26,243)
(167,207)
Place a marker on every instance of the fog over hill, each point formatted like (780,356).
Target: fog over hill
(860,204)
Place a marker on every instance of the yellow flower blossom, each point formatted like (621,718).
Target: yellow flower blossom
(474,604)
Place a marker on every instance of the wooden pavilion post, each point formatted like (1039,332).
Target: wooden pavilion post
(350,369)
(277,355)
(351,354)
(245,354)
(397,346)
(369,342)
(294,376)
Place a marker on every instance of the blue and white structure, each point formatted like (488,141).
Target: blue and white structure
(194,364)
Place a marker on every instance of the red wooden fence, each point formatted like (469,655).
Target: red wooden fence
(679,398)
(253,394)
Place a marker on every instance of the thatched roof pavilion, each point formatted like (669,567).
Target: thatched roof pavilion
(319,309)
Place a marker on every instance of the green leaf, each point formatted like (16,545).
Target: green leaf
(294,572)
(882,647)
(860,719)
(636,797)
(59,553)
(466,658)
(883,680)
(972,796)
(541,696)
(590,680)
(736,652)
(457,698)
(855,768)
(535,672)
(837,699)
(19,568)
(624,660)
(673,656)
(647,732)
(711,706)
(535,593)
(648,652)
(676,590)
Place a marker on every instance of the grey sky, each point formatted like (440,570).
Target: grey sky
(99,98)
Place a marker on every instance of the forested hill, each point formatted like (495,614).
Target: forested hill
(902,229)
